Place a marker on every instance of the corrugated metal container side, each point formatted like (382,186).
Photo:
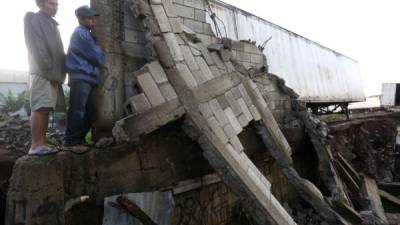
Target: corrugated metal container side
(388,96)
(316,73)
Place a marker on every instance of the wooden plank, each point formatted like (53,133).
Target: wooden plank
(348,213)
(393,218)
(392,188)
(371,191)
(304,188)
(353,173)
(347,178)
(390,200)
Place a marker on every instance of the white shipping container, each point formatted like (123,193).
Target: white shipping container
(316,73)
(388,97)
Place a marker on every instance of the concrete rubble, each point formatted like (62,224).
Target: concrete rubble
(199,126)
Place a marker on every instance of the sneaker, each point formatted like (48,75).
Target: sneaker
(42,151)
(77,149)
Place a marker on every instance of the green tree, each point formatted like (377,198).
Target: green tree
(10,103)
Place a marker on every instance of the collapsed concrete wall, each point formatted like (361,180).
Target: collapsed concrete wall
(184,106)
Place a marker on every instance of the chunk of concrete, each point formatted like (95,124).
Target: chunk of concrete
(186,75)
(173,46)
(218,112)
(161,18)
(236,144)
(218,131)
(233,121)
(168,91)
(204,68)
(139,103)
(245,109)
(190,61)
(150,89)
(157,72)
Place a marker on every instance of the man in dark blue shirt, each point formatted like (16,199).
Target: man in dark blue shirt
(83,62)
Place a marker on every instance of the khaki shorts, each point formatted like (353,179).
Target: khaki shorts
(46,95)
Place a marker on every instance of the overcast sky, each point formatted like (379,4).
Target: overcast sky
(365,30)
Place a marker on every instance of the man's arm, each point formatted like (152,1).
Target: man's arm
(36,42)
(88,49)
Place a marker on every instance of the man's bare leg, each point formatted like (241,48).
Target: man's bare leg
(39,125)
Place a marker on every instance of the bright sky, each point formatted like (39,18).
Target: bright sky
(365,30)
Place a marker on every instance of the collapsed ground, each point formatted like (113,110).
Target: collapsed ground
(367,143)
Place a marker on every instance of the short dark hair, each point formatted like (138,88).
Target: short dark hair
(38,2)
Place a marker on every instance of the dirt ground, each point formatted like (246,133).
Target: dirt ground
(368,141)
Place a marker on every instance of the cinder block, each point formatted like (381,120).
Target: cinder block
(169,8)
(243,57)
(179,1)
(195,51)
(254,112)
(215,71)
(157,72)
(245,109)
(180,40)
(236,93)
(200,15)
(229,131)
(168,91)
(238,46)
(222,102)
(134,36)
(214,125)
(184,11)
(205,110)
(256,58)
(230,67)
(207,29)
(204,68)
(243,120)
(233,121)
(175,25)
(196,26)
(207,56)
(161,18)
(217,59)
(234,105)
(139,104)
(199,76)
(198,4)
(186,75)
(236,144)
(173,46)
(150,89)
(218,112)
(225,54)
(245,95)
(190,61)
(250,48)
(254,176)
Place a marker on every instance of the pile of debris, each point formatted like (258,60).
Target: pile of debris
(14,132)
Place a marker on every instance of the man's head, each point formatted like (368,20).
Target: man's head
(49,7)
(86,16)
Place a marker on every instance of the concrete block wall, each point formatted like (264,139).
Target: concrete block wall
(193,13)
(248,54)
(135,43)
(278,101)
